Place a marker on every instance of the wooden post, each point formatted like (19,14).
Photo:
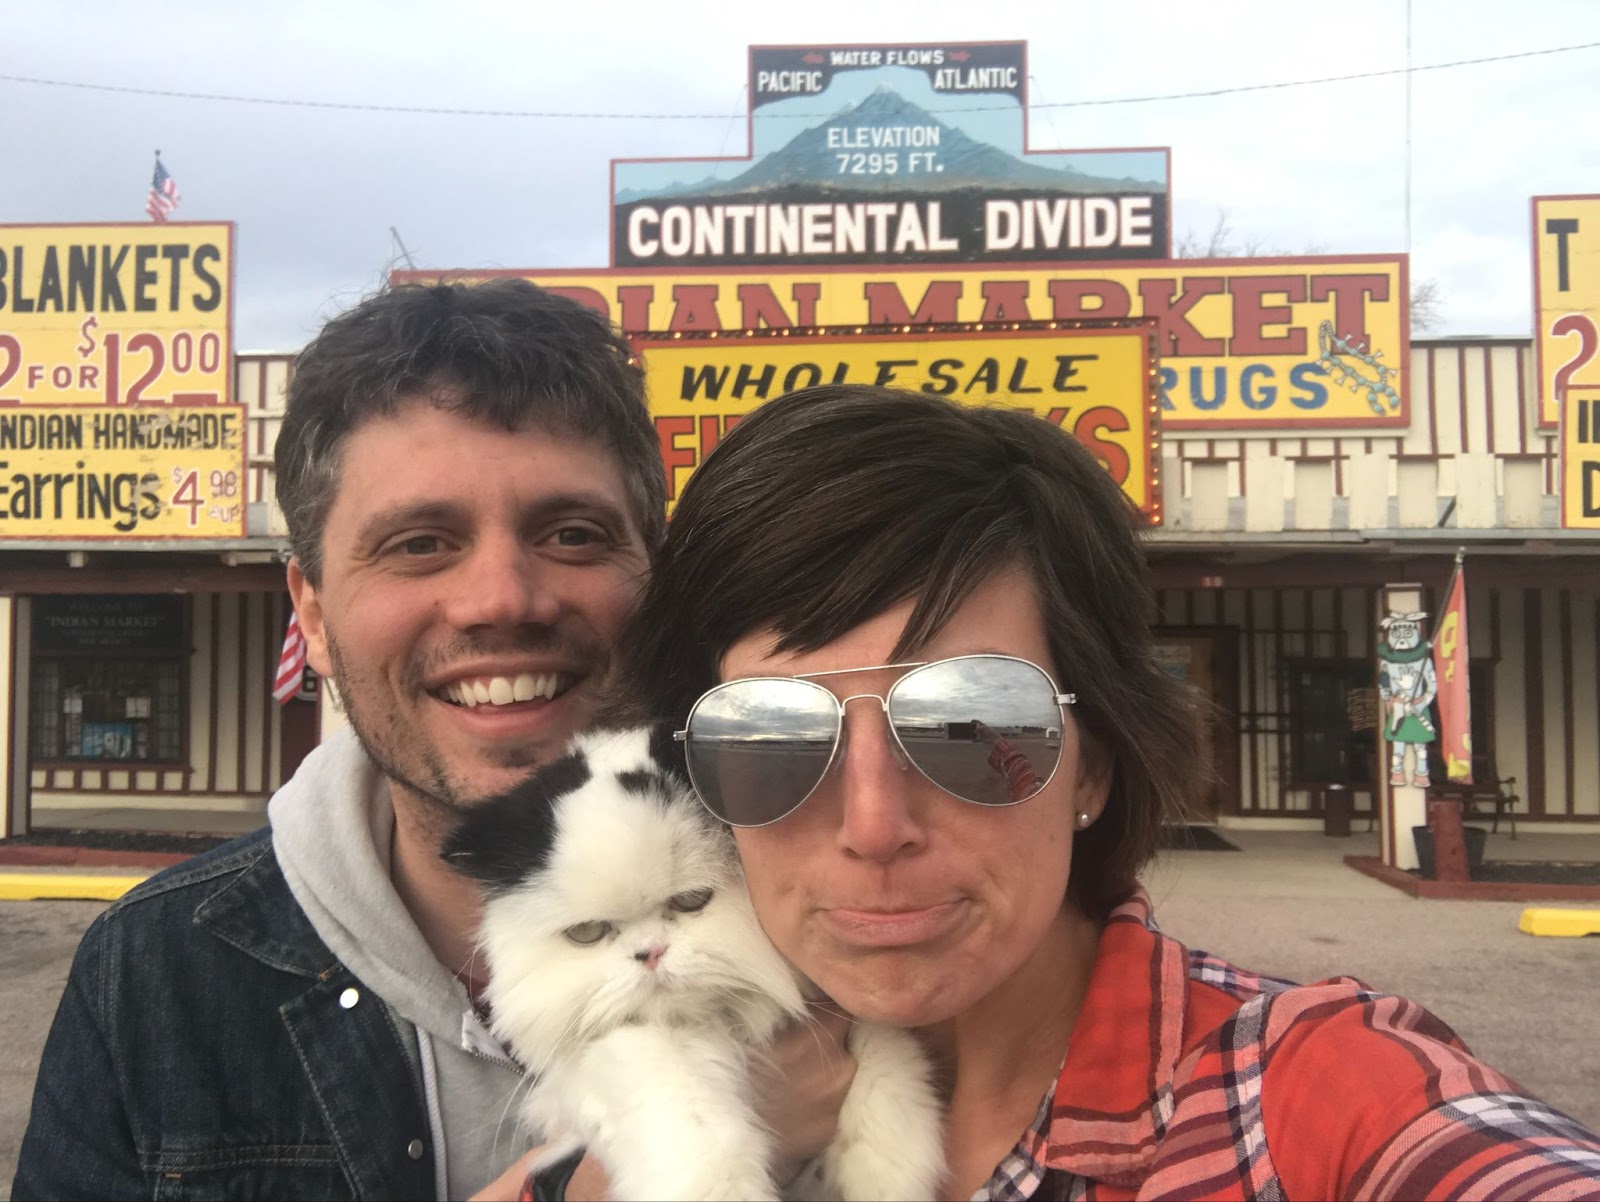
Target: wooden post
(1402,804)
(1449,841)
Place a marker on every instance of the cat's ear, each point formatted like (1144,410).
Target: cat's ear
(501,841)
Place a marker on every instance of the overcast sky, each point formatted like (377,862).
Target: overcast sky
(315,190)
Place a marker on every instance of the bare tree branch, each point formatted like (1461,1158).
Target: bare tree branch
(1427,305)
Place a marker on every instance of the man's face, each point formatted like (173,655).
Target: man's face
(473,583)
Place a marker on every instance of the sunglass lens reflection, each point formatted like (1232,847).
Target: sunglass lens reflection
(758,747)
(985,728)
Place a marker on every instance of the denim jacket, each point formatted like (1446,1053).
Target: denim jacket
(209,1045)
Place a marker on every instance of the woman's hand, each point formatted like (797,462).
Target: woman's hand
(801,1086)
(588,1183)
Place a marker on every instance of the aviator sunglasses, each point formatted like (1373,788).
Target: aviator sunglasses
(984,728)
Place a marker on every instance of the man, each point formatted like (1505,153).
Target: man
(473,488)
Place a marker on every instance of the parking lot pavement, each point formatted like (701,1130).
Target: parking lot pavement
(37,939)
(1286,905)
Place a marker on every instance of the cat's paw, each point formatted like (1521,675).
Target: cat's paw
(891,1136)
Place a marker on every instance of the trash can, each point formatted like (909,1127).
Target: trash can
(1337,807)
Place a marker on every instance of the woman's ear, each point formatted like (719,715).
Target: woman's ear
(1093,786)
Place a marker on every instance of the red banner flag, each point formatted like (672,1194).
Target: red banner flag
(1450,660)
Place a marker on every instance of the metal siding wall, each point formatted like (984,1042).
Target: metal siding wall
(1510,682)
(229,702)
(1450,434)
(1555,664)
(202,708)
(1584,705)
(252,728)
(261,380)
(1501,370)
(15,780)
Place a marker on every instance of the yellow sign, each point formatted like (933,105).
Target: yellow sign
(1566,298)
(82,473)
(136,314)
(1580,459)
(1295,343)
(1095,383)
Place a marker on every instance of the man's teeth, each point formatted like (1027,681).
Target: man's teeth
(503,690)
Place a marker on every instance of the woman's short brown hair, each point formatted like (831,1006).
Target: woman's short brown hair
(828,506)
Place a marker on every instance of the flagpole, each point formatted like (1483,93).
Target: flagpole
(1460,562)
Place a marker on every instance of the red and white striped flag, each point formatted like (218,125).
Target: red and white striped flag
(163,196)
(291,662)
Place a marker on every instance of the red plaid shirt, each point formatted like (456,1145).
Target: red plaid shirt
(1189,1078)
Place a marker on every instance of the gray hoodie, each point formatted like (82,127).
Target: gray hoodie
(331,829)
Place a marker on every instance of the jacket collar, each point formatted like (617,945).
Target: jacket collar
(256,913)
(1114,1097)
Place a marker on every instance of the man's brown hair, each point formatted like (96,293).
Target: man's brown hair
(506,352)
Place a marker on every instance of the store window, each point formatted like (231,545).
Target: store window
(108,679)
(1329,740)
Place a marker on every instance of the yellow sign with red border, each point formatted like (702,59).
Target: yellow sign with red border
(90,473)
(1566,298)
(1580,458)
(1096,381)
(1296,343)
(127,314)
(117,419)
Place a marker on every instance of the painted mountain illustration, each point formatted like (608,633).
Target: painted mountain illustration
(963,161)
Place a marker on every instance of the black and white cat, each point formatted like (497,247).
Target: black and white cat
(628,974)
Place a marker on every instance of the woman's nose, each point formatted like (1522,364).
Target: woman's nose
(882,803)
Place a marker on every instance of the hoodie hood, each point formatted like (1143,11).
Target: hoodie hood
(331,828)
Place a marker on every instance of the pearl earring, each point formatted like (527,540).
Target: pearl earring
(1083,819)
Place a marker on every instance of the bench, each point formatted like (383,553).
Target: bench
(1489,790)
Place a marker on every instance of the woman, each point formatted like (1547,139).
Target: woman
(912,641)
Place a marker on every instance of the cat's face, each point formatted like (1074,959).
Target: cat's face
(635,911)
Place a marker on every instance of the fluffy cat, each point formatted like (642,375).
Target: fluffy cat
(630,977)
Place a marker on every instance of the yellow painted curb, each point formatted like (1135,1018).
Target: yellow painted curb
(1566,923)
(57,886)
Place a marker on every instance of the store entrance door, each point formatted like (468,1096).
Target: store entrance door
(1207,659)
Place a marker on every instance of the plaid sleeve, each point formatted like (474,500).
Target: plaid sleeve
(1487,1145)
(1368,1096)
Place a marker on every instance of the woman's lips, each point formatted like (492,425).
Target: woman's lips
(893,928)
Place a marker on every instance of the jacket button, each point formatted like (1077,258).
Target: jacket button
(349,998)
(415,1149)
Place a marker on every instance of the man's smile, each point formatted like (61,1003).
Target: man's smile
(473,691)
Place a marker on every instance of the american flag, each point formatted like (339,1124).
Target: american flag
(291,662)
(163,193)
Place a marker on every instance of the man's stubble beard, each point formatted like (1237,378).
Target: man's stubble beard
(436,802)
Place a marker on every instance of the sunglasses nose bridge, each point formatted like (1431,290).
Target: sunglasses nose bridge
(889,735)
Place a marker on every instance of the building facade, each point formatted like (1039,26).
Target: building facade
(139,676)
